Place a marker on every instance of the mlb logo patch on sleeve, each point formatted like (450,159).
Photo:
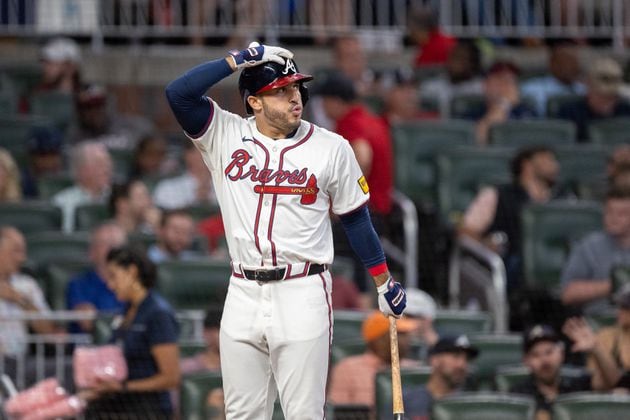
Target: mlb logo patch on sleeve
(364,185)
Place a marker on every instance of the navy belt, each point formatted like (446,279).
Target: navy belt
(278,273)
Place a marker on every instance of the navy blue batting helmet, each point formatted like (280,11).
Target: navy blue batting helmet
(268,76)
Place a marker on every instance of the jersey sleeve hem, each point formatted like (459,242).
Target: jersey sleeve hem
(352,210)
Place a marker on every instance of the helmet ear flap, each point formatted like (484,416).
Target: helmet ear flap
(304,93)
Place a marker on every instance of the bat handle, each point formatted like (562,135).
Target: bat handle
(398,406)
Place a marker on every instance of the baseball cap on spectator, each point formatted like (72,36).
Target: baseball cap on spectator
(454,344)
(45,140)
(336,84)
(420,304)
(537,333)
(376,325)
(504,66)
(606,76)
(92,95)
(622,297)
(61,49)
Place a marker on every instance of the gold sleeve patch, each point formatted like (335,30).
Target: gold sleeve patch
(364,185)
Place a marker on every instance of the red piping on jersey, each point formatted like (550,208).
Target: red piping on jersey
(275,196)
(260,201)
(205,127)
(330,325)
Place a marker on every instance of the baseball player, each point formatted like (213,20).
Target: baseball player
(277,177)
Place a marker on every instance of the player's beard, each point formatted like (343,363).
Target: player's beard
(280,120)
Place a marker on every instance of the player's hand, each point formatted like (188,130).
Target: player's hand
(257,54)
(392,298)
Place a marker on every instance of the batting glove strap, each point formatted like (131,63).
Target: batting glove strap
(392,298)
(257,54)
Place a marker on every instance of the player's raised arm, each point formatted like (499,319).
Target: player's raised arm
(186,94)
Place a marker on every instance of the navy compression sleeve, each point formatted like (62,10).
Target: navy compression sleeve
(186,94)
(363,237)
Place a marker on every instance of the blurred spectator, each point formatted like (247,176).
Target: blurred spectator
(44,159)
(208,360)
(493,218)
(150,159)
(10,189)
(449,359)
(91,167)
(194,186)
(563,78)
(175,236)
(503,100)
(434,45)
(60,60)
(131,207)
(372,145)
(401,99)
(463,77)
(543,354)
(19,294)
(88,291)
(421,308)
(148,334)
(607,352)
(325,14)
(352,379)
(347,294)
(602,100)
(618,162)
(586,275)
(97,121)
(349,58)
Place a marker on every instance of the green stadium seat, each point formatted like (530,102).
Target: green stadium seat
(462,106)
(121,158)
(31,216)
(345,348)
(494,350)
(102,329)
(508,376)
(58,274)
(7,104)
(190,349)
(548,232)
(416,145)
(47,247)
(610,132)
(456,322)
(194,284)
(430,104)
(15,132)
(409,377)
(194,390)
(590,405)
(347,325)
(520,133)
(582,168)
(374,103)
(58,107)
(461,171)
(51,185)
(22,78)
(556,102)
(484,406)
(88,216)
(606,318)
(202,211)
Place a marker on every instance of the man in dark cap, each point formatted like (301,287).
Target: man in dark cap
(449,359)
(543,354)
(44,159)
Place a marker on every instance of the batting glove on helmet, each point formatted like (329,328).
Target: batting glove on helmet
(392,298)
(257,54)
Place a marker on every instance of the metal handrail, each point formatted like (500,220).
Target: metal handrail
(495,290)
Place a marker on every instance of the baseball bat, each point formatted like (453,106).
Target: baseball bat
(397,398)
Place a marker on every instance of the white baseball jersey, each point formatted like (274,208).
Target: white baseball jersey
(275,195)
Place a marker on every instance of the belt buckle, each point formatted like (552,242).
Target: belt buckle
(258,274)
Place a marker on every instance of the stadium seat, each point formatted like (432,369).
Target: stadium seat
(582,168)
(409,377)
(194,284)
(347,325)
(121,158)
(463,170)
(190,349)
(610,132)
(548,232)
(58,107)
(7,104)
(462,106)
(88,216)
(416,145)
(194,390)
(47,247)
(345,348)
(508,376)
(31,216)
(374,103)
(555,102)
(58,274)
(606,318)
(51,185)
(456,322)
(590,405)
(494,350)
(15,131)
(202,211)
(486,406)
(520,133)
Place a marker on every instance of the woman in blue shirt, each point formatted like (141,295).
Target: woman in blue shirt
(148,335)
